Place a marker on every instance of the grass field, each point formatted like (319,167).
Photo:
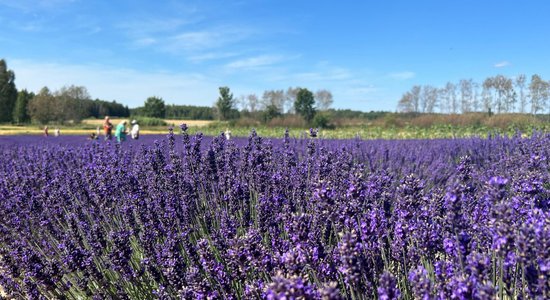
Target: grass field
(89,125)
(212,128)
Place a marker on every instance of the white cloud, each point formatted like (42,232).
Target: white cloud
(322,74)
(34,5)
(146,26)
(145,42)
(255,62)
(207,39)
(402,75)
(502,64)
(363,89)
(211,56)
(128,86)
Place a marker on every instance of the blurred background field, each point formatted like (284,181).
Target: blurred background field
(388,126)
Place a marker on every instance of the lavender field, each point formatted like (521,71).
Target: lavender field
(189,217)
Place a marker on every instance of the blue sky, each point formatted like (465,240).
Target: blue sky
(367,53)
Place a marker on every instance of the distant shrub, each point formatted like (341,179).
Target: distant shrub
(287,121)
(322,121)
(147,121)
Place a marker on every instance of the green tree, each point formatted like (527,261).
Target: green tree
(270,112)
(20,111)
(73,103)
(154,107)
(225,104)
(8,92)
(304,104)
(42,107)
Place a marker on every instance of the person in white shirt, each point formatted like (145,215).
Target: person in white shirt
(135,130)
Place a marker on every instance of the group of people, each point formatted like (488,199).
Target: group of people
(56,132)
(120,130)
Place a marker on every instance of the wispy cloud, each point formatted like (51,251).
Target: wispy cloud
(146,26)
(255,62)
(34,5)
(402,75)
(207,39)
(144,42)
(125,85)
(209,56)
(363,89)
(501,64)
(325,74)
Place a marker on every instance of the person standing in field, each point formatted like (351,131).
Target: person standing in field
(108,128)
(227,134)
(57,132)
(46,130)
(135,130)
(120,132)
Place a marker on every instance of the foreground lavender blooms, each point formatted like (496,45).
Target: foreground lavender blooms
(190,218)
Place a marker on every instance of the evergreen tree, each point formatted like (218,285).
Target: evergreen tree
(304,104)
(8,92)
(154,107)
(43,107)
(225,104)
(20,111)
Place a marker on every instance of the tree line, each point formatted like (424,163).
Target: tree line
(73,103)
(155,107)
(498,94)
(272,104)
(276,103)
(70,103)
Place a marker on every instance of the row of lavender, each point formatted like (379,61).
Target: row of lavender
(267,219)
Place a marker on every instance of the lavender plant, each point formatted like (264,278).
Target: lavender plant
(194,217)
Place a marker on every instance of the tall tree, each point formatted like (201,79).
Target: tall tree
(452,103)
(324,99)
(290,98)
(428,99)
(486,94)
(20,112)
(8,92)
(475,97)
(42,107)
(406,104)
(73,101)
(536,87)
(466,95)
(274,98)
(520,84)
(305,104)
(252,102)
(415,97)
(504,90)
(154,107)
(225,103)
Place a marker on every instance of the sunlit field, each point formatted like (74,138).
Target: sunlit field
(180,216)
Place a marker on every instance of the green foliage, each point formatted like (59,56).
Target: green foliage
(189,112)
(322,121)
(20,114)
(148,121)
(154,107)
(99,108)
(225,104)
(304,104)
(8,92)
(71,101)
(349,114)
(270,112)
(42,107)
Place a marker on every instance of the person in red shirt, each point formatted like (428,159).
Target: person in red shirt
(108,128)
